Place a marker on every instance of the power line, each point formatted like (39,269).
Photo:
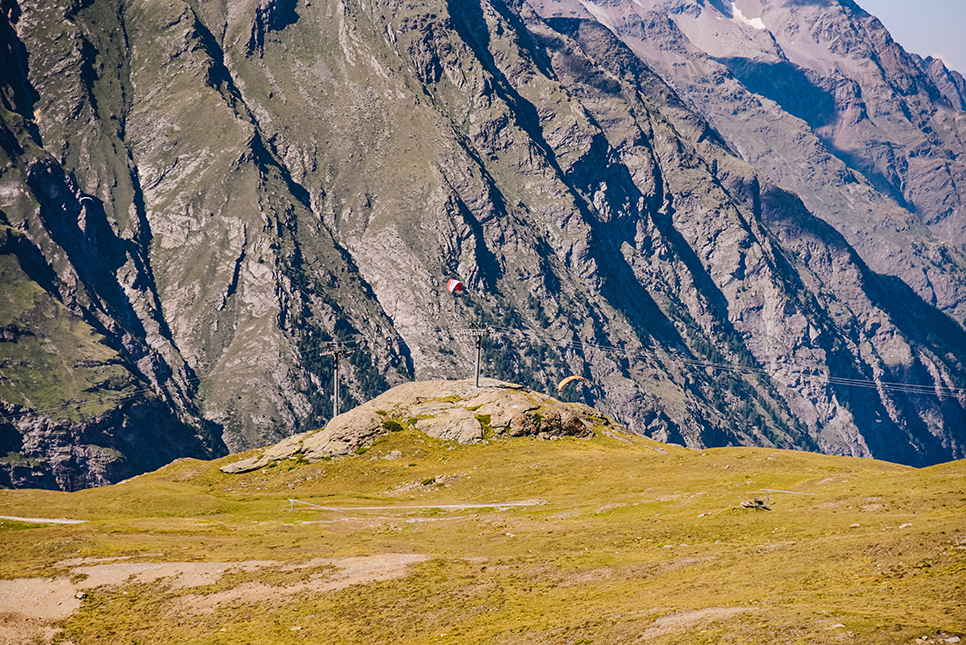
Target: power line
(804,372)
(148,391)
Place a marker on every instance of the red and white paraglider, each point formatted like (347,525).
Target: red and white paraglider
(454,286)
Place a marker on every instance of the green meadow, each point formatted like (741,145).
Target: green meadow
(620,540)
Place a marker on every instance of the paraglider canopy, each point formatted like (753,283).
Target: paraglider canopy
(454,286)
(562,383)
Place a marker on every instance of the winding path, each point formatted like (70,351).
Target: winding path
(402,507)
(41,520)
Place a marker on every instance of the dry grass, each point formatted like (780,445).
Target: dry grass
(632,545)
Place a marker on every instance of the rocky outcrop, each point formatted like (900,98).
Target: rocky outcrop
(447,410)
(44,451)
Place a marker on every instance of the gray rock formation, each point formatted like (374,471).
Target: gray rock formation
(212,194)
(447,410)
(820,99)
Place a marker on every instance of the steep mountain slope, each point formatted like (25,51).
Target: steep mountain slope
(95,424)
(818,97)
(223,190)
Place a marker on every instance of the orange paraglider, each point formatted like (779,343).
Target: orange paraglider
(454,286)
(562,383)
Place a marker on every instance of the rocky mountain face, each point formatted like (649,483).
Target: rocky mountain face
(198,198)
(819,98)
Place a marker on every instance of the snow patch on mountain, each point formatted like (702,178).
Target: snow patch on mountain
(740,17)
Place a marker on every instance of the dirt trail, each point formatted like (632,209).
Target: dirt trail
(404,507)
(41,520)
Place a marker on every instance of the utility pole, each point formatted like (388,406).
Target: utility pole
(479,333)
(479,356)
(338,351)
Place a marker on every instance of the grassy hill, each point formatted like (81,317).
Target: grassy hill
(625,540)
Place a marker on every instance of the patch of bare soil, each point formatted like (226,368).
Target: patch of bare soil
(680,621)
(182,574)
(349,571)
(29,607)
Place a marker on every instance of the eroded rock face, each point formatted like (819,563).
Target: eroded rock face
(447,410)
(212,193)
(819,98)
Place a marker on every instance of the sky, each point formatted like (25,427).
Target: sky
(934,28)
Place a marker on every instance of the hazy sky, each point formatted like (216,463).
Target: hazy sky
(926,27)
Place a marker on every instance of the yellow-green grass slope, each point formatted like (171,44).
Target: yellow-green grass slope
(636,542)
